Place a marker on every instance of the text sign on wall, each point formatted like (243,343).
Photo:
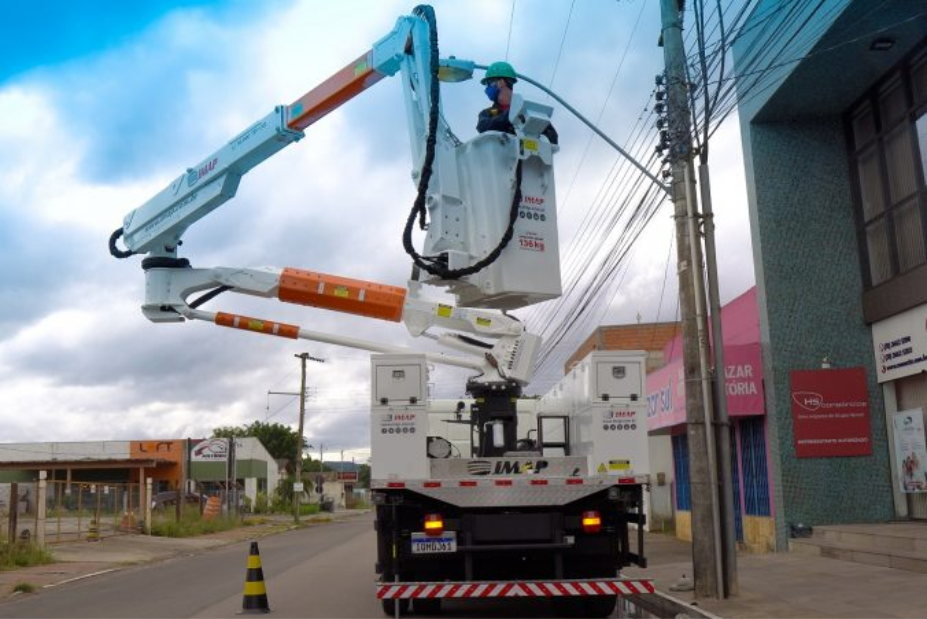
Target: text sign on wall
(830,413)
(210,450)
(900,344)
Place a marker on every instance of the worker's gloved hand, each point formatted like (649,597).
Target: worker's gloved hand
(492,91)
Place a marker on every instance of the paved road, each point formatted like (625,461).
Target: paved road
(321,571)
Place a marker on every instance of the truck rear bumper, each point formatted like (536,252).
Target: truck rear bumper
(510,589)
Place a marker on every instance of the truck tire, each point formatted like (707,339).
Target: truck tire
(427,606)
(389,607)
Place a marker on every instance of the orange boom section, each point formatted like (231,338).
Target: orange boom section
(352,296)
(237,321)
(330,94)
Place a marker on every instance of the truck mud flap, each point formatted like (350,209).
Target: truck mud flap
(508,589)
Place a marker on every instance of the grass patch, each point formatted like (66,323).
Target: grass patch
(23,554)
(191,525)
(24,587)
(308,509)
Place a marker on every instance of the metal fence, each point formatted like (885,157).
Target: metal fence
(73,511)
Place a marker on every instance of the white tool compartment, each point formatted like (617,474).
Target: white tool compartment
(398,379)
(604,396)
(399,417)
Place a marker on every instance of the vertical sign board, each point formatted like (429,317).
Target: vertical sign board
(830,413)
(910,450)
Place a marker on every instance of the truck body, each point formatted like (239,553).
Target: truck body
(494,511)
(529,498)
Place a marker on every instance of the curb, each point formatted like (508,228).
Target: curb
(660,604)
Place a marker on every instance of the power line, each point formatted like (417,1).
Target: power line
(566,28)
(508,41)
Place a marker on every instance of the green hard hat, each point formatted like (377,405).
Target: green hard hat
(500,69)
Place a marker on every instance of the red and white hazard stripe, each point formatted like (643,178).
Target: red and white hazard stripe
(522,480)
(556,588)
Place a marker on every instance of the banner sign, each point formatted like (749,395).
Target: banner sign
(210,450)
(900,344)
(743,384)
(830,413)
(910,450)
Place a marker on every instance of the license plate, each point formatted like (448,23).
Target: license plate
(427,544)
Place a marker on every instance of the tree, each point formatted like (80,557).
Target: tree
(279,440)
(363,476)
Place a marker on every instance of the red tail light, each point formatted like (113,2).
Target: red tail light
(434,524)
(592,522)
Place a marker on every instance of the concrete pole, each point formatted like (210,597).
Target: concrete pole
(40,510)
(13,524)
(705,552)
(299,434)
(723,422)
(148,506)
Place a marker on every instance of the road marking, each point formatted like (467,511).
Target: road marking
(76,578)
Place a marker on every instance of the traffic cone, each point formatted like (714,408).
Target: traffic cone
(255,597)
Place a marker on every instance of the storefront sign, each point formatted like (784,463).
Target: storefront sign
(830,413)
(743,384)
(900,344)
(210,450)
(910,450)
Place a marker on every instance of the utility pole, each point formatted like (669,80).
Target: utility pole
(706,535)
(303,357)
(728,537)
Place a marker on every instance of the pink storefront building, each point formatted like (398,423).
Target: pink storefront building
(753,506)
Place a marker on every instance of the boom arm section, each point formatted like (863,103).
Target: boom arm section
(157,226)
(510,357)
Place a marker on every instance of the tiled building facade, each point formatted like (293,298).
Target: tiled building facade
(835,147)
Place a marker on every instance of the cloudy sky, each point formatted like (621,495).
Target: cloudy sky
(104,104)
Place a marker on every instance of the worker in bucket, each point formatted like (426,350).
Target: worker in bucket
(499,81)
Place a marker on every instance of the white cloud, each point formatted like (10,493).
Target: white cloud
(84,142)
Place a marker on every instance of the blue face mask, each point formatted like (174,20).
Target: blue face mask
(492,91)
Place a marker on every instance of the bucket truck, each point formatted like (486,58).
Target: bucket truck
(517,516)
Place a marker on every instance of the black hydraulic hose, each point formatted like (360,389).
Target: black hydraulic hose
(474,342)
(212,294)
(115,251)
(418,207)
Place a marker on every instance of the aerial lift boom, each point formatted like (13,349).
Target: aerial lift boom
(459,185)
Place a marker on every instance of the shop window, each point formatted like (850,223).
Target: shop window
(864,128)
(892,103)
(889,153)
(870,180)
(880,266)
(681,471)
(899,160)
(909,235)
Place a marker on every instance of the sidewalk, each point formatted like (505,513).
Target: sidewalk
(787,585)
(82,559)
